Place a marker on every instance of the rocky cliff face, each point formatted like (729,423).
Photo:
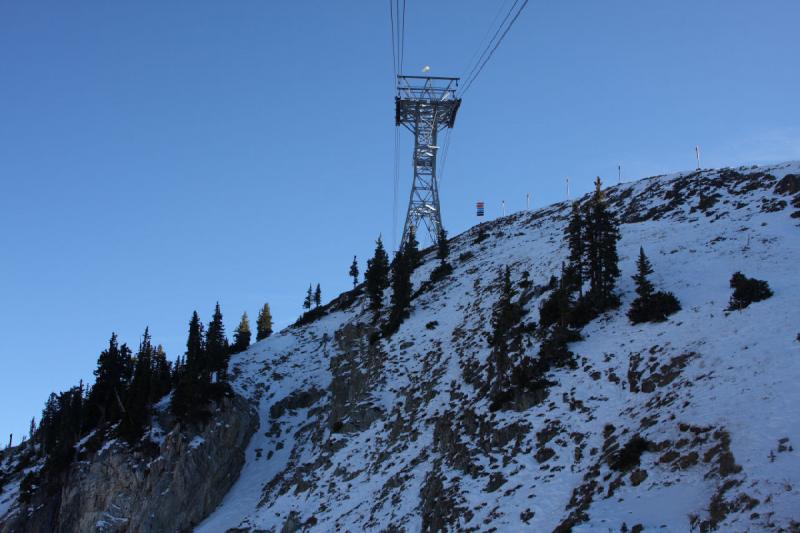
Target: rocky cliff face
(170,487)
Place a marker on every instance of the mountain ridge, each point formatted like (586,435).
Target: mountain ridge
(687,424)
(391,437)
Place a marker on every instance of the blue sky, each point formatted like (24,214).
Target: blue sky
(157,157)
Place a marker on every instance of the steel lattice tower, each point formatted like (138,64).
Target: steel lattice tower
(425,105)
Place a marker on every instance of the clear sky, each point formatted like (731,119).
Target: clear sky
(156,157)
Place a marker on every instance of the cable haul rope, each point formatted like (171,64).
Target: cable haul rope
(491,47)
(397,22)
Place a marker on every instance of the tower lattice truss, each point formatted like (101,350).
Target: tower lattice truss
(425,105)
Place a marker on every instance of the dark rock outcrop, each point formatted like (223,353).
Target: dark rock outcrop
(122,490)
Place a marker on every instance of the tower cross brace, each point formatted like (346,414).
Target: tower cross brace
(425,105)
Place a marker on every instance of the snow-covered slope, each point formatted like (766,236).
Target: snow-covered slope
(390,436)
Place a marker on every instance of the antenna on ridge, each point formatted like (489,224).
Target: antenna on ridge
(697,154)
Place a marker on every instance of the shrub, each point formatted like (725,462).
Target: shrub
(746,291)
(310,316)
(554,350)
(441,271)
(583,311)
(482,235)
(655,308)
(548,310)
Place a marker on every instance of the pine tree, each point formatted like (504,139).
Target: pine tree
(178,370)
(502,317)
(60,428)
(309,298)
(241,338)
(442,246)
(317,296)
(217,349)
(401,291)
(376,277)
(505,339)
(746,291)
(644,289)
(574,237)
(650,306)
(197,369)
(411,250)
(161,374)
(264,323)
(139,394)
(354,271)
(190,398)
(600,243)
(442,253)
(113,372)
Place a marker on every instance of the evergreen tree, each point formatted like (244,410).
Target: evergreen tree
(746,291)
(401,290)
(49,423)
(309,298)
(264,323)
(564,299)
(505,317)
(197,369)
(139,394)
(317,296)
(650,306)
(442,253)
(411,250)
(354,271)
(178,370)
(112,375)
(442,246)
(60,428)
(161,374)
(217,349)
(574,237)
(600,243)
(376,277)
(190,398)
(644,289)
(241,338)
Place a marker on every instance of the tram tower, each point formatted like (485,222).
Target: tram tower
(425,105)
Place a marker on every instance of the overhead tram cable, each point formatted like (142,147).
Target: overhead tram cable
(507,23)
(397,20)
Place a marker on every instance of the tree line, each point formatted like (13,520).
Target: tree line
(128,384)
(585,288)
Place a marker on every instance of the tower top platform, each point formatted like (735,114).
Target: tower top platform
(418,96)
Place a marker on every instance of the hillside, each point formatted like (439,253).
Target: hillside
(392,437)
(691,423)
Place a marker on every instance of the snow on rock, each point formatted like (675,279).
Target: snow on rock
(394,435)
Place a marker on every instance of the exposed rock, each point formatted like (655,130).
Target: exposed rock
(358,364)
(117,490)
(789,184)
